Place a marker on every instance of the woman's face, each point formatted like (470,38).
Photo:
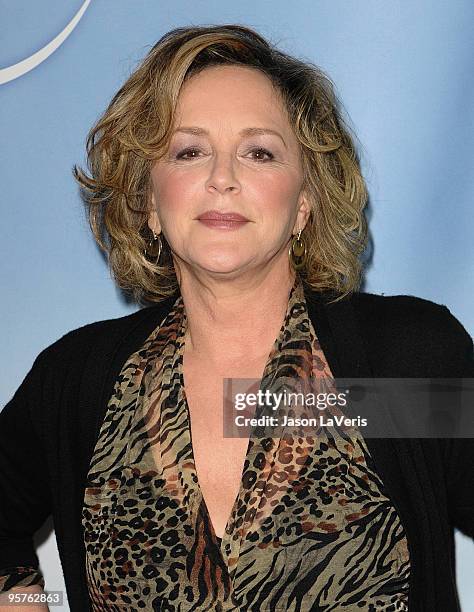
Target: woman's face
(222,158)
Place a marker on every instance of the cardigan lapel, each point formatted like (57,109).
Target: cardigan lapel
(339,334)
(340,337)
(101,369)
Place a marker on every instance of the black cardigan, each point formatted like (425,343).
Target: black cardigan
(48,431)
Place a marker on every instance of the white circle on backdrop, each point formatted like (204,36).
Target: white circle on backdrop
(13,72)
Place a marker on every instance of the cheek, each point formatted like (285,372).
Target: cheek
(277,194)
(172,196)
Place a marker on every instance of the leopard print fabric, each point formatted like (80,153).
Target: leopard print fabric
(20,576)
(312,527)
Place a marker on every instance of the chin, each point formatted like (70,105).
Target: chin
(220,260)
(220,263)
(221,267)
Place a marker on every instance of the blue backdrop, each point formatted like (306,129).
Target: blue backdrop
(403,70)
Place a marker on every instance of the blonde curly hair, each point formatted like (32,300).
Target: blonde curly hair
(135,131)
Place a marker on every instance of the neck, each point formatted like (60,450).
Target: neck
(230,321)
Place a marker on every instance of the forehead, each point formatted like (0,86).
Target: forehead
(233,90)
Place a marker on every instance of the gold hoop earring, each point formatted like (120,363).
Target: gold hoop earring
(154,248)
(297,252)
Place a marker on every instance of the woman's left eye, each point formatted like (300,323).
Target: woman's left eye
(261,151)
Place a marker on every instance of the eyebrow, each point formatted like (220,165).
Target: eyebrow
(250,131)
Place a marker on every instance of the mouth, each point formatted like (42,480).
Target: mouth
(225,221)
(214,215)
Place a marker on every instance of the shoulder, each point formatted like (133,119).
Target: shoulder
(102,338)
(416,331)
(400,310)
(406,314)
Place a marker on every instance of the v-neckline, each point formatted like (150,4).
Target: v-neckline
(194,476)
(253,446)
(254,443)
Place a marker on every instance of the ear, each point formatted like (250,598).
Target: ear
(153,220)
(303,212)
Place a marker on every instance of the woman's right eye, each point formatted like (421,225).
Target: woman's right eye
(183,154)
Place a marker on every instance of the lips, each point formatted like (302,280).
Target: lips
(215,215)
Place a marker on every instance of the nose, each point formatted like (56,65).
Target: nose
(222,176)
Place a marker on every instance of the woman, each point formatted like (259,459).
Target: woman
(225,188)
